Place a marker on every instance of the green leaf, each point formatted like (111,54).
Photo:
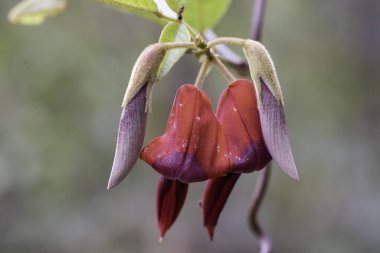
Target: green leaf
(172,32)
(143,8)
(132,5)
(202,14)
(34,12)
(175,5)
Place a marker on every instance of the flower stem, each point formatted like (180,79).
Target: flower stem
(174,45)
(223,69)
(203,71)
(264,176)
(226,40)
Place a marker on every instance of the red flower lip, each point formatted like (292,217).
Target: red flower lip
(171,195)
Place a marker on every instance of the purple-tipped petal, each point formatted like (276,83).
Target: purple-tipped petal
(275,133)
(215,197)
(130,137)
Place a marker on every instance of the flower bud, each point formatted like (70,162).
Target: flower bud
(262,68)
(171,195)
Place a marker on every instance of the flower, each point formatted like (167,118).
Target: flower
(200,145)
(269,127)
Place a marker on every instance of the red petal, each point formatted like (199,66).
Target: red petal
(193,147)
(215,197)
(171,195)
(275,132)
(240,120)
(130,137)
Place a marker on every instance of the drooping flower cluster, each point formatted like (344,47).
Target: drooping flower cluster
(246,132)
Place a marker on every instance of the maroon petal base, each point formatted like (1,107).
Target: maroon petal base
(171,195)
(215,197)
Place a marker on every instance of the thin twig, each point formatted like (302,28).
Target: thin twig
(264,175)
(257,19)
(257,199)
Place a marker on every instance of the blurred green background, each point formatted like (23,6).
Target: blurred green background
(61,85)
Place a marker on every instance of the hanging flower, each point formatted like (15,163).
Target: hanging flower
(199,145)
(269,135)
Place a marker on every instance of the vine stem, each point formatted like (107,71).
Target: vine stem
(203,71)
(264,175)
(257,199)
(258,19)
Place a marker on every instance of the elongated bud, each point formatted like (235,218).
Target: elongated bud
(262,68)
(171,195)
(215,197)
(275,133)
(144,72)
(130,137)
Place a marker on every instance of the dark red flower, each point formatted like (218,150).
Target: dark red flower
(239,117)
(266,130)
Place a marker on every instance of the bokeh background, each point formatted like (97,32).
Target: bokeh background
(61,85)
